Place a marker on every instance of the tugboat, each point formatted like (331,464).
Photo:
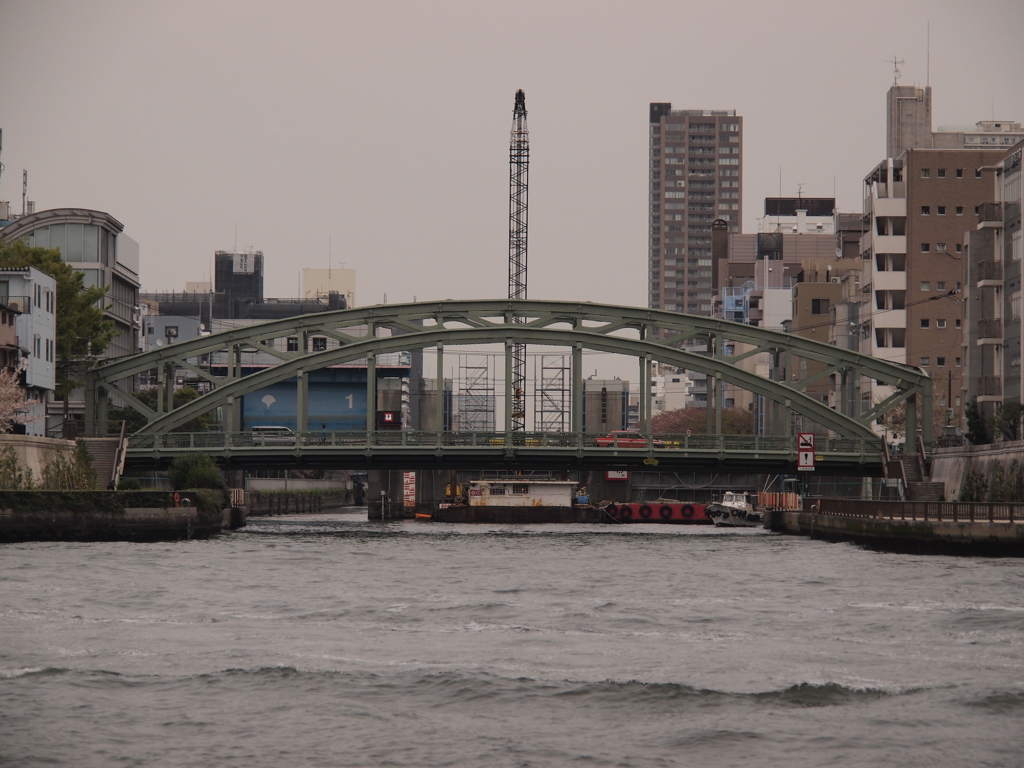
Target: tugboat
(735,510)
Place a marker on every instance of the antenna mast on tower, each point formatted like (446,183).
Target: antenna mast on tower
(519,166)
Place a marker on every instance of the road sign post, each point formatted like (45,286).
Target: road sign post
(805,451)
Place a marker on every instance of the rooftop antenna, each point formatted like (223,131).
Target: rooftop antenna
(24,190)
(928,60)
(236,237)
(896,74)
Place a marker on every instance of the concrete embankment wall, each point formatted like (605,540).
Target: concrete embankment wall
(36,453)
(914,536)
(107,516)
(951,465)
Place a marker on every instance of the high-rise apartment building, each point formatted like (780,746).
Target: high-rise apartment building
(993,317)
(696,179)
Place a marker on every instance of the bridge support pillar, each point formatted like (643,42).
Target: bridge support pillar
(302,401)
(709,410)
(230,422)
(911,426)
(719,404)
(844,392)
(648,395)
(371,391)
(91,393)
(577,388)
(102,413)
(169,387)
(439,423)
(927,416)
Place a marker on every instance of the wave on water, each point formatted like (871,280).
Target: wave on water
(13,674)
(1001,702)
(461,686)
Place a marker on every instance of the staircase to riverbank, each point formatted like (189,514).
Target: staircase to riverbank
(920,488)
(103,452)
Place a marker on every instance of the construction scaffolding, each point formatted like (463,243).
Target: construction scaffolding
(475,401)
(552,396)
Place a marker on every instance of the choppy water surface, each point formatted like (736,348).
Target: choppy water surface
(310,641)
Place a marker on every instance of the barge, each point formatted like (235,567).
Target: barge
(518,500)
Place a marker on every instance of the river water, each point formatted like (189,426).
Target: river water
(334,641)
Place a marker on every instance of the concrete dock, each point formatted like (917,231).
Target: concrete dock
(955,528)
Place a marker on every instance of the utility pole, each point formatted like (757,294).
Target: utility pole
(519,166)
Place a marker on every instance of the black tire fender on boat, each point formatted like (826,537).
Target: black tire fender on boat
(665,512)
(687,511)
(646,512)
(612,510)
(625,512)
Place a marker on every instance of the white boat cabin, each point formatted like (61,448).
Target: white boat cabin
(517,492)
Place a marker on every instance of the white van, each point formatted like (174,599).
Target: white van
(272,435)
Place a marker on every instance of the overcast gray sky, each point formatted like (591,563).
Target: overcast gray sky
(384,126)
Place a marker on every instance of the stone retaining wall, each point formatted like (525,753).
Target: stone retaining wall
(895,535)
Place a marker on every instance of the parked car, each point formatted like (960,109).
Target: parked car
(272,435)
(626,438)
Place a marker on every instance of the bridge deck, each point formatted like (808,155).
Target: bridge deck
(415,450)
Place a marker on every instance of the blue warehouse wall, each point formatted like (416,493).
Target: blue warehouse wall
(337,401)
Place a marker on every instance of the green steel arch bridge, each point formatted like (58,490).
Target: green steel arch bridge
(852,447)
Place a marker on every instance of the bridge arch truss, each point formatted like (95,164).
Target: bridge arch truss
(649,335)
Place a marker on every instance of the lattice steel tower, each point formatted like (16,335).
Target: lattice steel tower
(519,166)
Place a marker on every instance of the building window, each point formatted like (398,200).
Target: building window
(940,285)
(925,173)
(959,210)
(940,323)
(958,401)
(926,285)
(959,173)
(926,210)
(956,362)
(941,210)
(942,173)
(977,210)
(819,306)
(925,247)
(957,322)
(925,362)
(293,343)
(925,322)
(940,362)
(977,173)
(319,344)
(940,247)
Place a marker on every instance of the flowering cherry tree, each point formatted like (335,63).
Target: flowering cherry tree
(14,408)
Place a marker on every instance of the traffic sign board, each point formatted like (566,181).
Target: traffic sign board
(805,461)
(805,441)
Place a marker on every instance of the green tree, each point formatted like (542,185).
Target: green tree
(194,470)
(977,428)
(82,331)
(1008,419)
(137,421)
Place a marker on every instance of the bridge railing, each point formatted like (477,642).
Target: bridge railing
(324,440)
(951,511)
